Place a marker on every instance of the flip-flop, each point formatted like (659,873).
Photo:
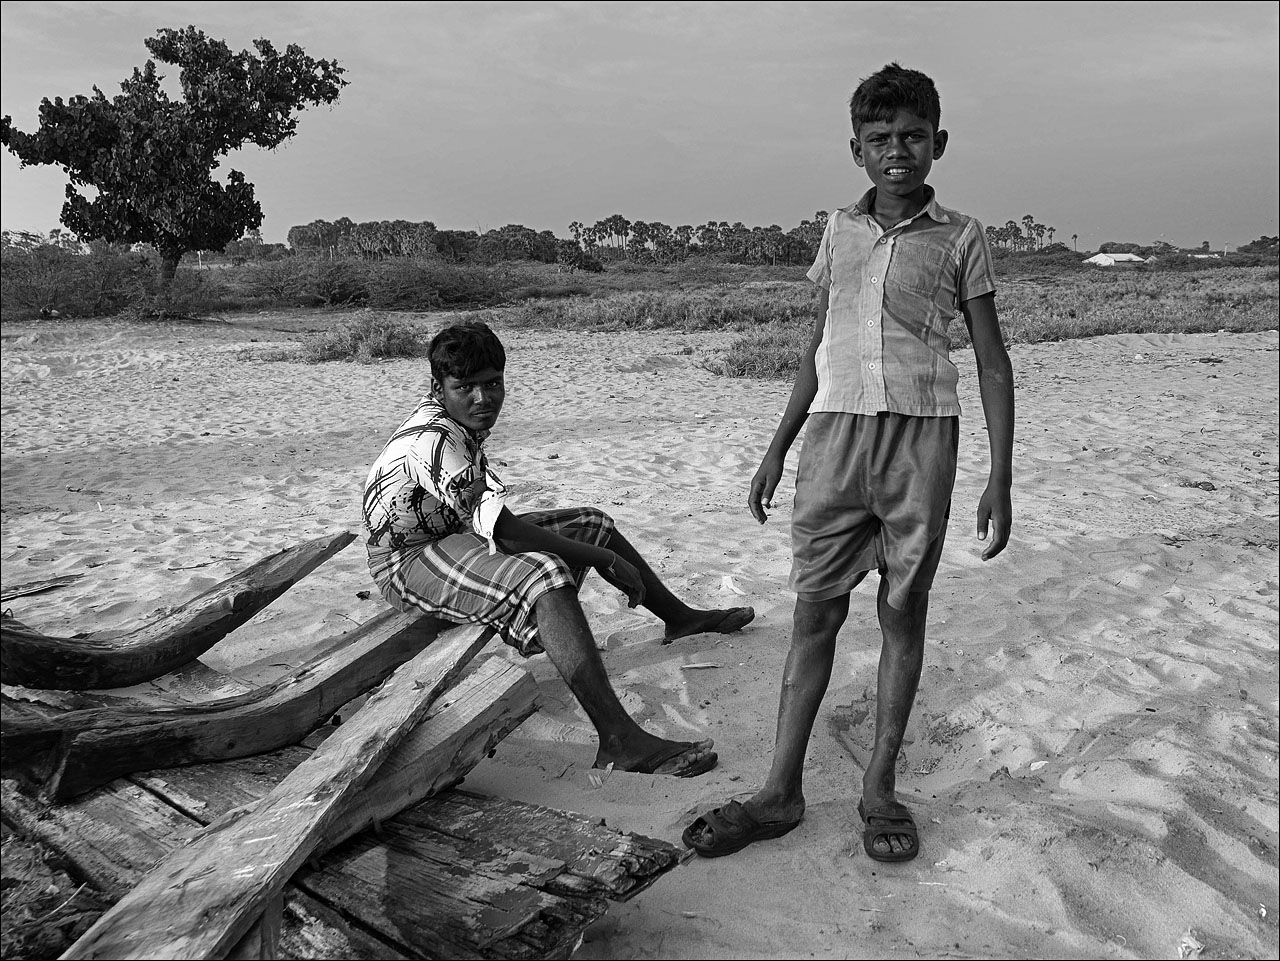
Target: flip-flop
(733,619)
(670,751)
(732,828)
(886,821)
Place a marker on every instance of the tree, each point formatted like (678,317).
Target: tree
(151,159)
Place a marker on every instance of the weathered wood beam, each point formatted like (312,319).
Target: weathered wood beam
(262,942)
(204,897)
(193,683)
(466,723)
(531,877)
(90,748)
(437,754)
(96,661)
(114,835)
(37,587)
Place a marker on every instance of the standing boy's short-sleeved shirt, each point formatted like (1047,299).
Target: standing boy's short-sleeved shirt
(893,294)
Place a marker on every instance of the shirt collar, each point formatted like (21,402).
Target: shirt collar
(932,208)
(437,410)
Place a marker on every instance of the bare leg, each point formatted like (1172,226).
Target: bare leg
(804,682)
(566,637)
(901,661)
(681,619)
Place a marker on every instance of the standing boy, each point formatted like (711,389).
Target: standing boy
(442,540)
(873,489)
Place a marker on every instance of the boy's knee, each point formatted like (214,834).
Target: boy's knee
(819,621)
(599,517)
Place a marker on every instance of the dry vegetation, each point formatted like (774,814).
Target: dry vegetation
(366,304)
(774,317)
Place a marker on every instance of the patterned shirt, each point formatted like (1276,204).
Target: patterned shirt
(431,480)
(893,294)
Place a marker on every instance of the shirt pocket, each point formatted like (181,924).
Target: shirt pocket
(922,269)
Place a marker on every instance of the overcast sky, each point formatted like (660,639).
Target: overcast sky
(1113,121)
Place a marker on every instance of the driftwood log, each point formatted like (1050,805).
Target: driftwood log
(89,748)
(95,661)
(205,896)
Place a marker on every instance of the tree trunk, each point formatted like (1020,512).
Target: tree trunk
(169,258)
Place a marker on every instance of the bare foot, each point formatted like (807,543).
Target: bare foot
(724,621)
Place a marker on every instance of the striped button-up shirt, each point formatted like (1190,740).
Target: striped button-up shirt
(893,294)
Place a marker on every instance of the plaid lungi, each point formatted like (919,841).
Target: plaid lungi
(458,579)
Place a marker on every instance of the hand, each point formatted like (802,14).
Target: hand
(625,578)
(995,508)
(763,484)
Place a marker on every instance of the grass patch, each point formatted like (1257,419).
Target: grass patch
(1090,304)
(366,339)
(713,308)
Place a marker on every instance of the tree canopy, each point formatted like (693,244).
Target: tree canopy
(150,159)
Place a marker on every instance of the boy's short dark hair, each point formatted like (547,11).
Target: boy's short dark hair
(461,350)
(892,88)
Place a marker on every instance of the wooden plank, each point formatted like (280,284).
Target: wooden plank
(93,661)
(205,896)
(114,835)
(421,889)
(492,703)
(191,683)
(594,860)
(539,874)
(262,942)
(37,587)
(93,747)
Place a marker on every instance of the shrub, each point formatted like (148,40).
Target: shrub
(368,338)
(405,283)
(47,278)
(336,281)
(771,352)
(707,309)
(272,282)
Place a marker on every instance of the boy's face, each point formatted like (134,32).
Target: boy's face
(898,154)
(475,400)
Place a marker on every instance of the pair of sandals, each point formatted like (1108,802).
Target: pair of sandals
(729,829)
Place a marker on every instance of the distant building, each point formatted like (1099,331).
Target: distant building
(1111,260)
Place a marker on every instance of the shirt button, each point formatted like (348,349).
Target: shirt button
(883,241)
(874,279)
(871,366)
(871,323)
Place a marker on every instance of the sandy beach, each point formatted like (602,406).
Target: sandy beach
(1093,754)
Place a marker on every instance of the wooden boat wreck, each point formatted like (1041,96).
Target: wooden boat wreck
(229,822)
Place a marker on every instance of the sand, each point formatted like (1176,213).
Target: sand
(1093,754)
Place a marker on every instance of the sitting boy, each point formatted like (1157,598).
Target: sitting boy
(874,482)
(442,540)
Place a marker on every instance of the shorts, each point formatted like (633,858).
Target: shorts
(458,579)
(873,492)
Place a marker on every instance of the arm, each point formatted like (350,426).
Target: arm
(766,479)
(995,384)
(515,535)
